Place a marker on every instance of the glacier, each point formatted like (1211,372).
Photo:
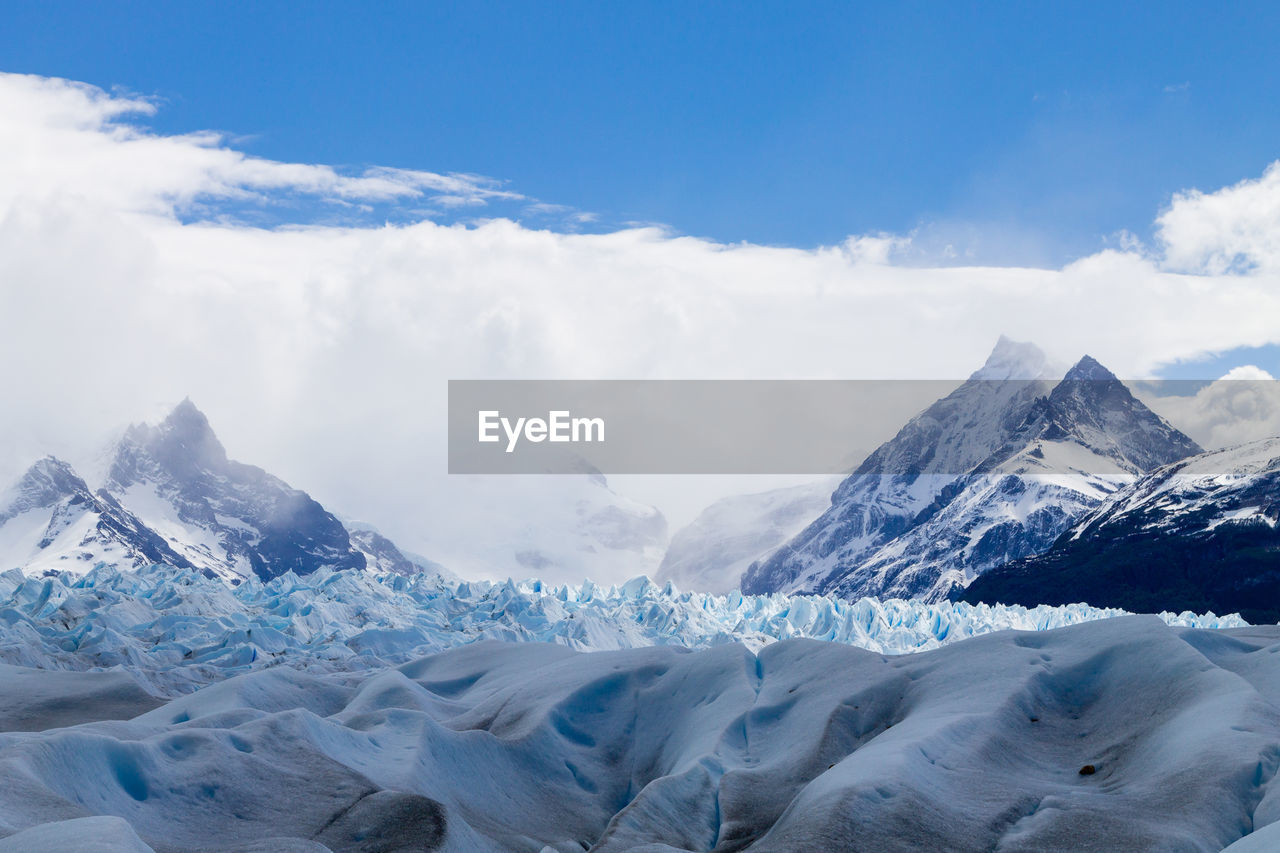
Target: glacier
(158,709)
(176,629)
(1122,734)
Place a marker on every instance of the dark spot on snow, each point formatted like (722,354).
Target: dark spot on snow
(1088,770)
(387,822)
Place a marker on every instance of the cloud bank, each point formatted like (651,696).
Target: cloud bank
(1244,405)
(321,352)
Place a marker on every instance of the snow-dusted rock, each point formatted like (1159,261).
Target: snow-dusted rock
(170,495)
(904,475)
(991,473)
(1199,533)
(51,520)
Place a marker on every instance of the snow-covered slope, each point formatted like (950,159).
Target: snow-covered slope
(712,552)
(994,472)
(381,556)
(176,628)
(51,520)
(1120,735)
(1201,532)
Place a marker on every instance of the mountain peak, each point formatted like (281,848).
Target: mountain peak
(1091,404)
(47,481)
(183,438)
(49,467)
(1012,359)
(188,420)
(1089,369)
(49,475)
(181,446)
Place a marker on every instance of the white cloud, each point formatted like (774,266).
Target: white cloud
(875,248)
(322,353)
(1236,229)
(70,140)
(1244,405)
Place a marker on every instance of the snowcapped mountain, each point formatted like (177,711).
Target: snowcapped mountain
(224,516)
(904,475)
(167,493)
(1087,438)
(1201,532)
(171,495)
(711,553)
(50,520)
(993,472)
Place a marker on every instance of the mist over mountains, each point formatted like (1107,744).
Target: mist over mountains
(172,496)
(169,494)
(992,474)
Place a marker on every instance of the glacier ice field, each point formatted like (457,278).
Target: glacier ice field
(176,630)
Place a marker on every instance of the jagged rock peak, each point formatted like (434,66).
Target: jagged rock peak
(1088,369)
(47,481)
(189,425)
(183,442)
(1012,359)
(48,469)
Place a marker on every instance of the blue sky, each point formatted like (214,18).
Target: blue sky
(1016,133)
(999,133)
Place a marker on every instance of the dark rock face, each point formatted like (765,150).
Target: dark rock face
(256,518)
(1197,535)
(1091,404)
